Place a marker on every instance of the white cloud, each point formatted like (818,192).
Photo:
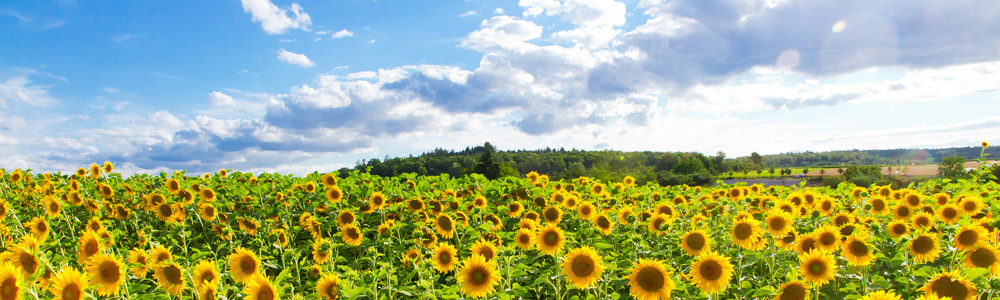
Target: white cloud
(498,11)
(216,98)
(343,33)
(297,59)
(276,20)
(20,88)
(468,14)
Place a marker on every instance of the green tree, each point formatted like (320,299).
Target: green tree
(952,167)
(486,166)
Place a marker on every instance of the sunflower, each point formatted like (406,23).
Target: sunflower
(445,226)
(52,206)
(778,222)
(586,210)
(334,194)
(924,247)
(857,252)
(747,234)
(351,235)
(328,287)
(479,201)
(879,206)
(604,224)
(971,205)
(696,241)
(525,238)
(902,211)
(552,214)
(376,200)
(898,228)
(949,213)
(828,238)
(105,191)
(950,284)
(260,288)
(658,223)
(412,257)
(427,239)
(649,280)
(818,267)
(11,282)
(444,257)
(582,267)
(205,272)
(881,295)
(478,276)
(24,260)
(711,272)
(345,217)
(793,290)
(165,212)
(90,245)
(170,277)
(68,285)
(826,206)
(550,239)
(912,200)
(485,249)
(106,273)
(788,241)
(209,290)
(923,220)
(159,255)
(970,236)
(139,261)
(243,264)
(39,228)
(986,257)
(514,209)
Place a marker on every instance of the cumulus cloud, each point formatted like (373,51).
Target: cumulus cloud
(216,98)
(276,20)
(21,88)
(297,59)
(343,33)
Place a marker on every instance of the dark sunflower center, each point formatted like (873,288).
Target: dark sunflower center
(922,221)
(347,218)
(8,288)
(788,238)
(69,292)
(923,244)
(173,274)
(165,210)
(551,214)
(899,229)
(582,265)
(949,213)
(486,252)
(949,287)
(657,223)
(551,238)
(91,247)
(841,220)
(777,224)
(479,275)
(817,267)
(968,206)
(903,211)
(696,241)
(742,231)
(983,258)
(968,238)
(650,279)
(265,293)
(445,223)
(710,270)
(524,238)
(248,265)
(857,248)
(827,238)
(585,210)
(912,200)
(109,272)
(28,262)
(827,205)
(793,292)
(445,257)
(353,233)
(207,276)
(808,245)
(603,222)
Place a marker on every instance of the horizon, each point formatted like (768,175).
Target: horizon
(297,86)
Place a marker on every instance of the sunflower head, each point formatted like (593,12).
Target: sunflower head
(711,272)
(950,284)
(478,276)
(550,239)
(243,264)
(444,257)
(696,241)
(582,267)
(328,287)
(818,267)
(649,279)
(107,273)
(793,290)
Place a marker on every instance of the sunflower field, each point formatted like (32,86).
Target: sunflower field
(235,235)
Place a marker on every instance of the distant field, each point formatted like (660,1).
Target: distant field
(904,170)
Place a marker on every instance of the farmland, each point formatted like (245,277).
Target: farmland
(232,235)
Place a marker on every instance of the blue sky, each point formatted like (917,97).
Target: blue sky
(298,86)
